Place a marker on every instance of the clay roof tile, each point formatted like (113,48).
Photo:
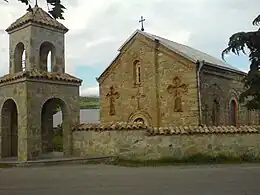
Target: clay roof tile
(37,74)
(38,16)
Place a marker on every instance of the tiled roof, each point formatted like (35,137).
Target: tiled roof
(40,75)
(38,16)
(188,52)
(203,130)
(110,126)
(152,131)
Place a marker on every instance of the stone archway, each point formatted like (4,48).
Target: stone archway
(19,58)
(47,49)
(48,136)
(9,129)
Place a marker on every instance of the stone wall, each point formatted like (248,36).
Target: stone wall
(173,68)
(156,101)
(120,75)
(144,144)
(223,86)
(30,96)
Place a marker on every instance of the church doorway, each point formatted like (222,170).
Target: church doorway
(215,113)
(9,127)
(233,107)
(52,139)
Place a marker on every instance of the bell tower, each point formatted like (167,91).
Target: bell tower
(31,93)
(31,38)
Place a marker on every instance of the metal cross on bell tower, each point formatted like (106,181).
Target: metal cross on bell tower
(142,23)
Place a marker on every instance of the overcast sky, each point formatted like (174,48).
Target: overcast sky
(98,28)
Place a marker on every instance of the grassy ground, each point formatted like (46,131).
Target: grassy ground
(89,102)
(196,159)
(58,143)
(192,160)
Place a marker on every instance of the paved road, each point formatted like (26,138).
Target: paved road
(112,180)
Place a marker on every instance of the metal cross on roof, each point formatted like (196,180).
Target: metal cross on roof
(142,23)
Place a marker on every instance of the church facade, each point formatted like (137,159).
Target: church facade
(162,83)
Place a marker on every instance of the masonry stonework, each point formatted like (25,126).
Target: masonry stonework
(177,73)
(137,145)
(121,77)
(224,86)
(30,94)
(173,89)
(159,67)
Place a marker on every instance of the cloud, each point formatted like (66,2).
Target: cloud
(90,91)
(98,28)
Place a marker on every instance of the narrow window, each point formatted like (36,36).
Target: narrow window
(215,113)
(139,75)
(19,58)
(137,72)
(47,56)
(23,61)
(233,106)
(49,61)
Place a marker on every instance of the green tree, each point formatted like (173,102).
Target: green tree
(56,9)
(238,43)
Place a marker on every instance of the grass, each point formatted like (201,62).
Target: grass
(195,159)
(89,102)
(58,143)
(85,103)
(3,166)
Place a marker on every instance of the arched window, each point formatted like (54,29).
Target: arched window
(24,61)
(139,120)
(215,112)
(19,58)
(49,63)
(137,72)
(233,109)
(47,56)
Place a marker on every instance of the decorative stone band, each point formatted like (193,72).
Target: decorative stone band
(186,130)
(110,126)
(36,74)
(152,131)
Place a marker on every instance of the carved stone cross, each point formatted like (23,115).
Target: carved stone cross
(138,96)
(112,95)
(177,89)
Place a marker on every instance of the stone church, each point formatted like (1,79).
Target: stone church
(163,83)
(30,92)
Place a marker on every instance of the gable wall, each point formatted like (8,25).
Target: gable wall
(120,75)
(226,86)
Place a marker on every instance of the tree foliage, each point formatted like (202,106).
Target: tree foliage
(238,42)
(55,8)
